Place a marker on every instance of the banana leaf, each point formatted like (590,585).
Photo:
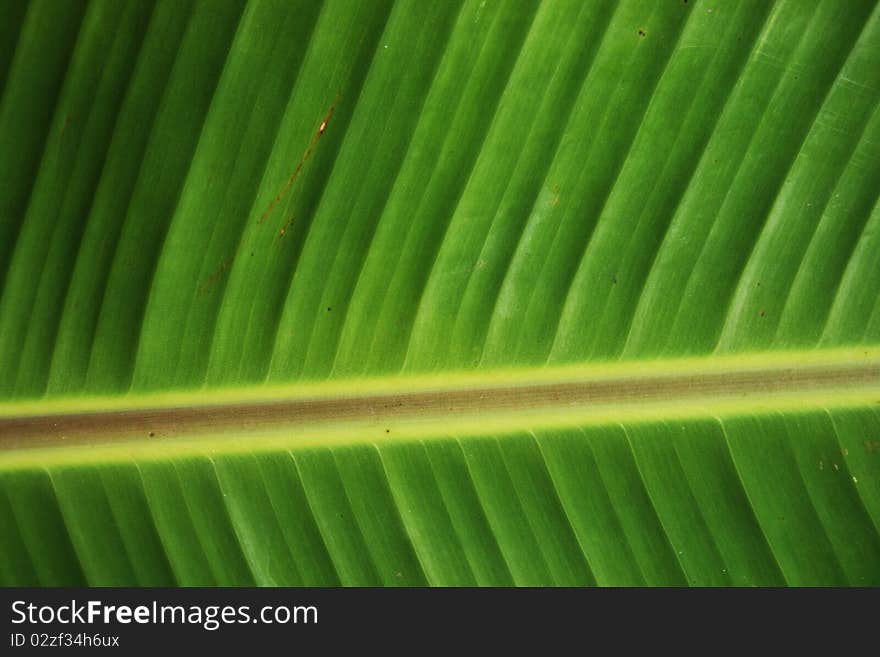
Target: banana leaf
(463,292)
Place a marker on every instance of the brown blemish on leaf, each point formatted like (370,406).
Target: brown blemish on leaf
(284,228)
(321,128)
(212,279)
(215,276)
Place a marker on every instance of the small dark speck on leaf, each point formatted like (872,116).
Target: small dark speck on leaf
(152,433)
(329,309)
(614,280)
(387,430)
(761,313)
(642,33)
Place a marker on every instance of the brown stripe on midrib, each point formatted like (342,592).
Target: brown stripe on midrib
(136,424)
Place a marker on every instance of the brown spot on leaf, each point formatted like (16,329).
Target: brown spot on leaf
(215,276)
(311,147)
(284,228)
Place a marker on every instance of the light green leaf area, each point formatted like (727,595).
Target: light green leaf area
(463,292)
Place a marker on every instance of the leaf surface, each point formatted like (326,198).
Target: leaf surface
(477,292)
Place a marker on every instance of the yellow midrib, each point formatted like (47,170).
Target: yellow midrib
(417,407)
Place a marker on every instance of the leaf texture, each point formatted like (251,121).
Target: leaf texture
(232,196)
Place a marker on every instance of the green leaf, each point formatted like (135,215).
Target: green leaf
(473,292)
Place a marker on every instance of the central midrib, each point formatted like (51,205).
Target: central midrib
(621,387)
